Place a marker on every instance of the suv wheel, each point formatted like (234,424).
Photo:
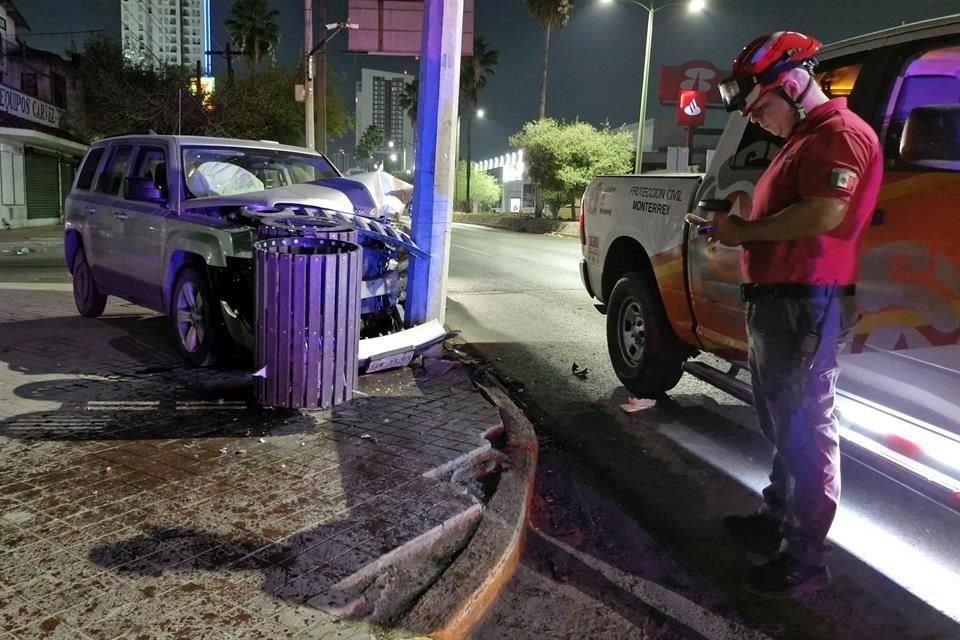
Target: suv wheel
(196,318)
(86,295)
(645,353)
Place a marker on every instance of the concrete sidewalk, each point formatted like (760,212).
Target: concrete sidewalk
(142,499)
(33,239)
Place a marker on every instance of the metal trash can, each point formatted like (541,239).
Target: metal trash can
(308,321)
(306,227)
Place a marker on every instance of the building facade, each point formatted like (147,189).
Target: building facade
(38,157)
(161,33)
(378,103)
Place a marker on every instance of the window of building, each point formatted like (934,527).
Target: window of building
(58,90)
(28,83)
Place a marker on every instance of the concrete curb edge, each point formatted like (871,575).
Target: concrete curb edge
(464,593)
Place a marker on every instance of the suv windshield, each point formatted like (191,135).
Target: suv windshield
(227,171)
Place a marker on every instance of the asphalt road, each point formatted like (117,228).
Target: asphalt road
(640,495)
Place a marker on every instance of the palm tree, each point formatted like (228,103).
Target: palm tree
(408,99)
(550,14)
(474,73)
(253,28)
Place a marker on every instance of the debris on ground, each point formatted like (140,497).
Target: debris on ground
(367,436)
(223,450)
(638,404)
(580,373)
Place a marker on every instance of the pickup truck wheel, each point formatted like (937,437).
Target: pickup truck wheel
(646,355)
(86,295)
(195,316)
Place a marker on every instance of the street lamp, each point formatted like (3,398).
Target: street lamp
(481,113)
(694,6)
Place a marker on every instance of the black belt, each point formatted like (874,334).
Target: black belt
(755,291)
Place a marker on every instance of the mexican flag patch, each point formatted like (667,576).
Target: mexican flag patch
(844,179)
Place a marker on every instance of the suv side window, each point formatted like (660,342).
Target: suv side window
(758,147)
(933,77)
(151,162)
(89,168)
(115,170)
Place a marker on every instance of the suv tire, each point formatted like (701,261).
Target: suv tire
(195,316)
(646,355)
(86,295)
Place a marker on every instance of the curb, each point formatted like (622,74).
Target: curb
(466,590)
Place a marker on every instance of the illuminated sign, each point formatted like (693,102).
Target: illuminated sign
(692,109)
(696,75)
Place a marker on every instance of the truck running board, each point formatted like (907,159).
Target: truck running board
(724,380)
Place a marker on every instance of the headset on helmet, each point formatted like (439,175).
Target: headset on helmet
(763,65)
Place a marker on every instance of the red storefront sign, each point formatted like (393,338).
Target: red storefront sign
(691,109)
(696,75)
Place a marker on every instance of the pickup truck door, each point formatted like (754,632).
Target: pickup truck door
(743,152)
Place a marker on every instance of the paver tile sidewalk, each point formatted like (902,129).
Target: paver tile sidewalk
(143,499)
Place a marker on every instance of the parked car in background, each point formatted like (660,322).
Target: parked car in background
(168,222)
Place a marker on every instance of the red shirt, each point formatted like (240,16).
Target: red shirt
(832,154)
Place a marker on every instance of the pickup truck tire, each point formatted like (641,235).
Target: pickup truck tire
(646,355)
(195,316)
(86,295)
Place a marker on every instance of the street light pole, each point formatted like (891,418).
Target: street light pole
(309,135)
(643,90)
(694,6)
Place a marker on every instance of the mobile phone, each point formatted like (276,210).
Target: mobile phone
(702,224)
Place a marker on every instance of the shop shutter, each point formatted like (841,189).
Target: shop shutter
(43,185)
(68,171)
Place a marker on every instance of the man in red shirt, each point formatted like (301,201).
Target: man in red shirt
(800,269)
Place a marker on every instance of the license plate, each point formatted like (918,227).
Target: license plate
(389,362)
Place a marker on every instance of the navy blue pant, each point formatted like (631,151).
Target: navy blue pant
(793,349)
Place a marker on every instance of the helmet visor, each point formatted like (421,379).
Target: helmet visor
(735,90)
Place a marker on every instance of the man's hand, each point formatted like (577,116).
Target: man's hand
(729,231)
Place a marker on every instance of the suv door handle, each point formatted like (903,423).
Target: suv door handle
(89,210)
(119,215)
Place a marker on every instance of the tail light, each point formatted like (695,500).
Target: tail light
(583,233)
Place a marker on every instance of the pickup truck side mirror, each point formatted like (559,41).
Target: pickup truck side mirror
(715,205)
(143,190)
(931,137)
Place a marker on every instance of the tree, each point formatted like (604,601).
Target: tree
(563,158)
(474,73)
(408,98)
(370,142)
(486,191)
(550,14)
(253,28)
(260,105)
(121,96)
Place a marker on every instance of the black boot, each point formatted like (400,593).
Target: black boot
(785,576)
(758,532)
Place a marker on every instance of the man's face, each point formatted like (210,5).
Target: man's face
(774,114)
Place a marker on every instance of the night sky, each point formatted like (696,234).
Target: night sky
(596,63)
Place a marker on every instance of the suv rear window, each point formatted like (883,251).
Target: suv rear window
(89,168)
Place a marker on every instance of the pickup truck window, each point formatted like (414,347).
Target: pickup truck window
(152,163)
(932,78)
(226,171)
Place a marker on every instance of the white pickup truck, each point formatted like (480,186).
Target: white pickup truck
(668,296)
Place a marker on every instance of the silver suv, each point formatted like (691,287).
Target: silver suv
(168,222)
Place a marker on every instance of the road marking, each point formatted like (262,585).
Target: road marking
(37,286)
(673,605)
(460,246)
